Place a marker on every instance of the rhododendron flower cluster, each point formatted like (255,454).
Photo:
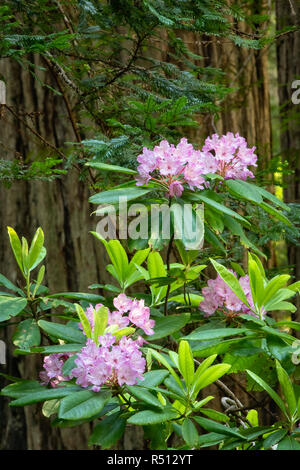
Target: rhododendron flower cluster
(232,155)
(109,363)
(52,372)
(173,167)
(112,362)
(137,314)
(218,295)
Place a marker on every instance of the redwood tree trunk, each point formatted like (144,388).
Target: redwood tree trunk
(288,65)
(74,258)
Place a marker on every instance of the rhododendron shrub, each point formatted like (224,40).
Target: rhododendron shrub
(143,349)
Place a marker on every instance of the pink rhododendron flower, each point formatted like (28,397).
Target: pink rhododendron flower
(232,155)
(128,310)
(52,373)
(217,295)
(112,362)
(109,363)
(228,156)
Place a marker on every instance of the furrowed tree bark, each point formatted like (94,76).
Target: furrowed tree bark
(74,258)
(288,66)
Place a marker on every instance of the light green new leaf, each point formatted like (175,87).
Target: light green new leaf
(186,362)
(16,247)
(35,248)
(231,281)
(100,322)
(287,388)
(160,358)
(84,320)
(209,376)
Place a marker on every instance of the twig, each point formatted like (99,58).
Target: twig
(45,142)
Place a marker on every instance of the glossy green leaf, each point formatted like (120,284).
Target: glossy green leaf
(45,394)
(66,333)
(27,334)
(106,167)
(166,326)
(11,306)
(269,390)
(144,395)
(149,417)
(108,431)
(287,388)
(113,196)
(189,433)
(83,404)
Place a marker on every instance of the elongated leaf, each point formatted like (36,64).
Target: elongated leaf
(149,417)
(166,326)
(276,213)
(220,208)
(16,247)
(186,362)
(11,306)
(108,431)
(244,190)
(256,282)
(21,388)
(231,281)
(269,390)
(218,428)
(193,300)
(27,334)
(106,167)
(35,248)
(144,395)
(9,285)
(274,438)
(204,335)
(83,320)
(216,415)
(156,269)
(45,394)
(100,322)
(274,285)
(93,298)
(287,388)
(270,197)
(64,332)
(83,404)
(113,196)
(209,376)
(160,358)
(153,378)
(288,443)
(189,433)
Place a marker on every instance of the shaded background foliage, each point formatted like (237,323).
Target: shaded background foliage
(99,80)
